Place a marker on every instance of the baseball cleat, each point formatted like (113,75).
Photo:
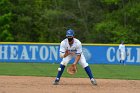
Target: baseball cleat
(56,82)
(93,81)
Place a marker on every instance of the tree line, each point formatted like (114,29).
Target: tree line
(94,21)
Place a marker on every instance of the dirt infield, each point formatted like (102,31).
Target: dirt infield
(30,84)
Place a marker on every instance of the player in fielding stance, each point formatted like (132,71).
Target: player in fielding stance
(69,48)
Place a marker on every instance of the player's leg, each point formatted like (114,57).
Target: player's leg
(62,67)
(123,62)
(85,65)
(123,58)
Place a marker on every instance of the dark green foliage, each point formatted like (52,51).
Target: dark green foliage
(94,21)
(5,20)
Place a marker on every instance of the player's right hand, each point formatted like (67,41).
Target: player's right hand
(67,52)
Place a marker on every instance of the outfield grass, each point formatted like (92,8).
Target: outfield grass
(50,70)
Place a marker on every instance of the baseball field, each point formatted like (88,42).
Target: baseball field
(38,78)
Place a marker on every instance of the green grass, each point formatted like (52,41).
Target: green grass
(50,70)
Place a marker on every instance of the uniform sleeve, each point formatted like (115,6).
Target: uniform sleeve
(62,49)
(119,47)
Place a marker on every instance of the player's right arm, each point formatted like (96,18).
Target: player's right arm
(63,50)
(119,50)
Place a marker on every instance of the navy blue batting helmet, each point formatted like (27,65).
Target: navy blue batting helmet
(69,32)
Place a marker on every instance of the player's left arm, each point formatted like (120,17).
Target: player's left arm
(77,59)
(126,51)
(78,53)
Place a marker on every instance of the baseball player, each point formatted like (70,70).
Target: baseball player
(69,48)
(122,52)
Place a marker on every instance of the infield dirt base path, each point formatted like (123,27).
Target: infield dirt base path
(31,84)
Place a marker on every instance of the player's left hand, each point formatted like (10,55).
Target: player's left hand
(72,69)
